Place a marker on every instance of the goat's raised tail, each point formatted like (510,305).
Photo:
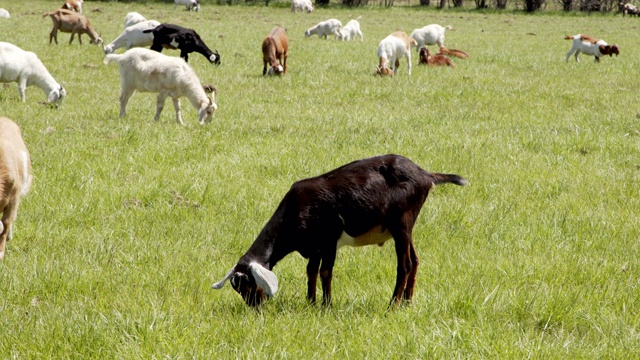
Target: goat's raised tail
(448,178)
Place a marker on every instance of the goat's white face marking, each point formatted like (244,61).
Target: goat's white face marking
(280,69)
(374,236)
(212,58)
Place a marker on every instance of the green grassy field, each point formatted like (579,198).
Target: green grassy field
(130,221)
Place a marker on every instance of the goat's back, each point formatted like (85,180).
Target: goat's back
(148,70)
(278,39)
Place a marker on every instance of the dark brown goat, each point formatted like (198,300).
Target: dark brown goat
(366,202)
(275,47)
(434,60)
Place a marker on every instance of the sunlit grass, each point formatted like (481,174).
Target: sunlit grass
(130,221)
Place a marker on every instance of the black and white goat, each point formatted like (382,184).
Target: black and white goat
(365,202)
(172,36)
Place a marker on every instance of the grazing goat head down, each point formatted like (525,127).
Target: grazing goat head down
(365,202)
(590,46)
(275,51)
(170,36)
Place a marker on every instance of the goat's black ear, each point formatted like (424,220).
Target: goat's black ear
(237,280)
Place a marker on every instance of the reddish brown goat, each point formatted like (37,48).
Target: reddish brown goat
(71,22)
(275,47)
(434,60)
(452,52)
(73,5)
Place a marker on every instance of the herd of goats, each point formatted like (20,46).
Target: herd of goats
(366,202)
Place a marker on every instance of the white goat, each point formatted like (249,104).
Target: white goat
(190,4)
(15,177)
(324,28)
(390,50)
(349,31)
(429,35)
(4,14)
(304,5)
(133,18)
(24,68)
(150,71)
(133,36)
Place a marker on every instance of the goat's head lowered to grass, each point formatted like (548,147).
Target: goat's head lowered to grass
(366,202)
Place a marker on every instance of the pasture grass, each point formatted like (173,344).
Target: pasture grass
(130,221)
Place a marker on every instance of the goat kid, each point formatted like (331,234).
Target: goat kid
(73,5)
(150,71)
(429,35)
(324,28)
(351,30)
(390,50)
(275,48)
(172,36)
(190,4)
(434,60)
(590,46)
(24,68)
(366,202)
(15,177)
(70,22)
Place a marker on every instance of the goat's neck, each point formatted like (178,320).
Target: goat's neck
(44,81)
(382,62)
(273,61)
(196,95)
(270,245)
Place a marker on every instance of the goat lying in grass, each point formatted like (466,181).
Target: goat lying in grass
(366,202)
(434,60)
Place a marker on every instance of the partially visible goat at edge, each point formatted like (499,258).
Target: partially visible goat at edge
(366,202)
(73,5)
(15,177)
(150,71)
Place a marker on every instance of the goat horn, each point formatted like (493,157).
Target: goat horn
(220,283)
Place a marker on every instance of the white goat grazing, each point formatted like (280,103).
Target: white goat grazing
(133,18)
(304,5)
(150,71)
(349,31)
(4,14)
(324,28)
(429,35)
(190,4)
(133,36)
(24,68)
(390,50)
(15,177)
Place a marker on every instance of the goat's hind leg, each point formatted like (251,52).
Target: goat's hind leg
(326,275)
(125,95)
(159,105)
(411,280)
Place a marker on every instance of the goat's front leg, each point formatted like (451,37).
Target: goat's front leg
(409,61)
(176,105)
(326,275)
(73,34)
(313,267)
(159,105)
(22,87)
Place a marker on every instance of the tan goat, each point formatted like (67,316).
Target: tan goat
(15,177)
(71,22)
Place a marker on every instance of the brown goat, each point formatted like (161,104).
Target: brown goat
(15,177)
(71,22)
(452,52)
(434,60)
(73,5)
(275,47)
